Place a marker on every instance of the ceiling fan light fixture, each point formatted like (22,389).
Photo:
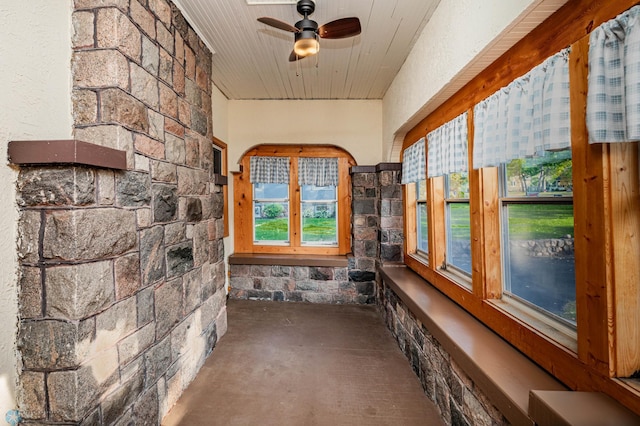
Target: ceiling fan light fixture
(306,44)
(308,34)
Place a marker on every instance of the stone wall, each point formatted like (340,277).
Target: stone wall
(548,247)
(456,396)
(376,238)
(122,275)
(298,284)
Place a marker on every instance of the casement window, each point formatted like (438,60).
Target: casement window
(293,200)
(553,204)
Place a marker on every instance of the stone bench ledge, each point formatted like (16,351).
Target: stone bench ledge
(288,260)
(503,373)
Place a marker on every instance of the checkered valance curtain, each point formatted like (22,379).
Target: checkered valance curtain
(414,163)
(529,116)
(318,171)
(448,148)
(269,169)
(613,99)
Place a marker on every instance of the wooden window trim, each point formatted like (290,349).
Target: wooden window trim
(225,189)
(410,218)
(607,225)
(243,201)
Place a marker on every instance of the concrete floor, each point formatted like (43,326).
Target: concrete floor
(302,364)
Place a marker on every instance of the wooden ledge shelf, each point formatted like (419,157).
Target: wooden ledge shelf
(67,151)
(551,408)
(288,260)
(503,373)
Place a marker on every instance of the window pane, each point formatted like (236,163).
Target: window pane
(423,230)
(319,223)
(544,176)
(319,218)
(540,266)
(421,189)
(271,212)
(311,192)
(270,191)
(459,236)
(271,222)
(458,186)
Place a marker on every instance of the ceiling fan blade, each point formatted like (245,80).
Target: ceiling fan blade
(294,57)
(272,22)
(340,28)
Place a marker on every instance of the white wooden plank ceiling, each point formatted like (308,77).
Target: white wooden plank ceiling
(250,59)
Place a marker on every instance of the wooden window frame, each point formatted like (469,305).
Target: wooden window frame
(222,147)
(243,201)
(607,224)
(456,272)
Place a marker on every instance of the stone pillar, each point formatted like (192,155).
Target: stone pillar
(364,227)
(391,210)
(377,223)
(121,280)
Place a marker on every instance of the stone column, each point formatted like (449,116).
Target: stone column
(364,226)
(391,210)
(122,274)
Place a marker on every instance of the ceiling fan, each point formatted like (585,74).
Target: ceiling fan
(307,33)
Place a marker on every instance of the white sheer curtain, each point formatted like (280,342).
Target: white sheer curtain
(318,171)
(447,152)
(269,169)
(414,163)
(613,99)
(529,116)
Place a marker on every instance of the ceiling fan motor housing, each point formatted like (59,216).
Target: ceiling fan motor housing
(307,25)
(307,33)
(306,7)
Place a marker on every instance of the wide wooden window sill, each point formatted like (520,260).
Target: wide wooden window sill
(521,390)
(504,374)
(288,259)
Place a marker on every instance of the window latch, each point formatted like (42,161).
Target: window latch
(444,263)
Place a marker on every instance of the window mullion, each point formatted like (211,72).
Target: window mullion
(489,247)
(437,228)
(295,215)
(590,234)
(410,231)
(343,192)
